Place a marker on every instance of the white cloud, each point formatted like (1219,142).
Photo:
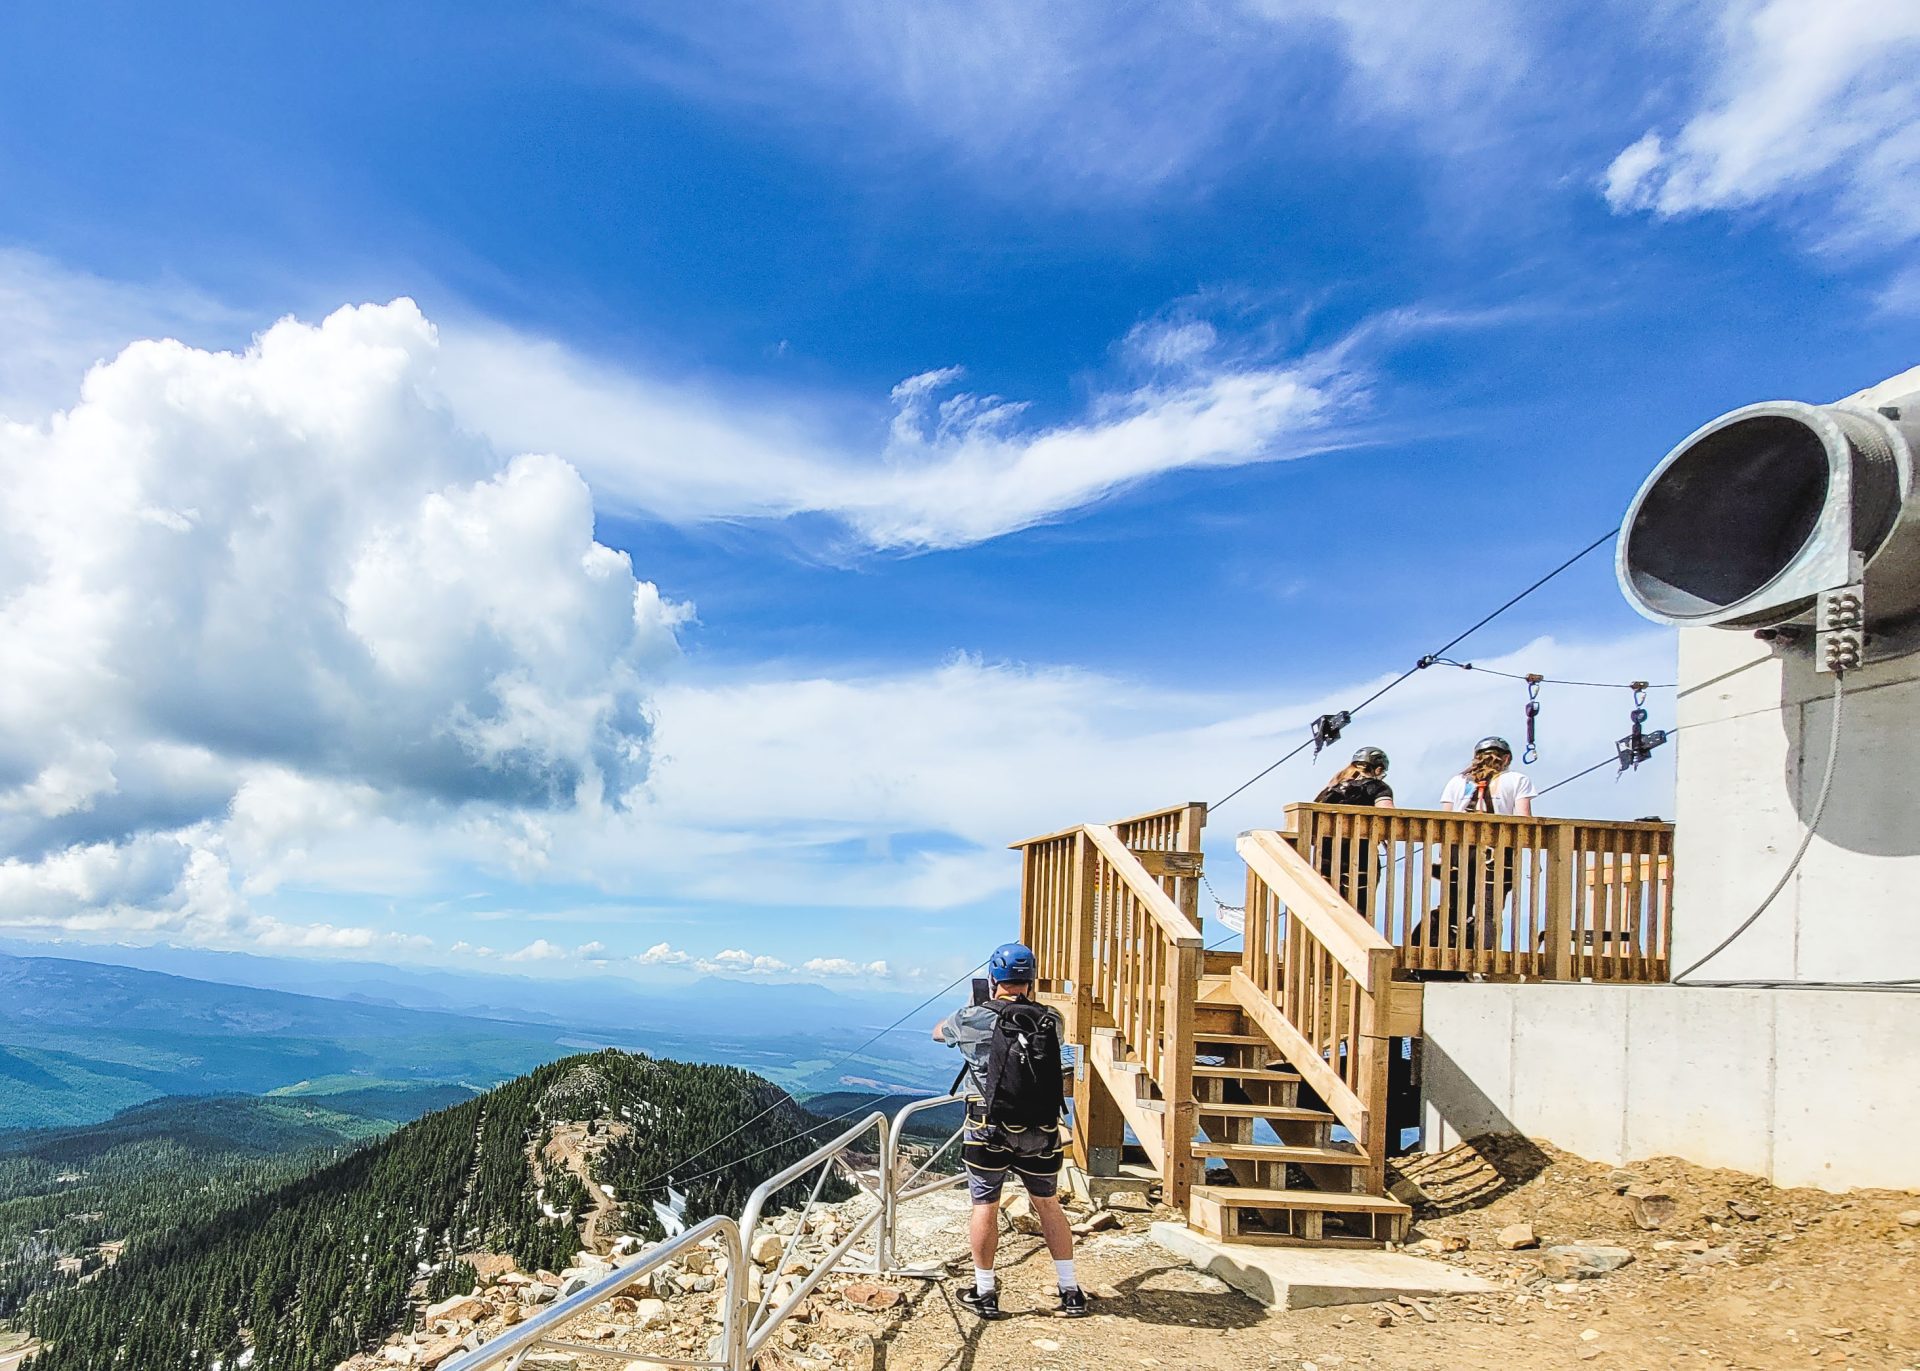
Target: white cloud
(841,967)
(742,963)
(254,598)
(663,954)
(1078,97)
(1811,100)
(952,468)
(539,950)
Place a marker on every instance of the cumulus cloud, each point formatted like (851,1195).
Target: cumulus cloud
(741,962)
(840,966)
(663,954)
(249,595)
(1809,100)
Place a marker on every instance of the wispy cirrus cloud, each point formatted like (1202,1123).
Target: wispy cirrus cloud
(1811,105)
(1076,98)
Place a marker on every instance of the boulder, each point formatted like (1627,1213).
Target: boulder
(765,1248)
(651,1314)
(456,1307)
(1650,1207)
(698,1261)
(1516,1236)
(443,1350)
(868,1295)
(1583,1261)
(1019,1211)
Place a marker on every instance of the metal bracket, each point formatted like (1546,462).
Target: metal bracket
(1840,629)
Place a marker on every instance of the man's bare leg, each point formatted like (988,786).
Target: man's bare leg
(983,1234)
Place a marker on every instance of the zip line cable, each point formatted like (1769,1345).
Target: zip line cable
(1555,681)
(786,1098)
(1319,738)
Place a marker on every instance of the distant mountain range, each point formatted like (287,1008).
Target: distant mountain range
(82,1040)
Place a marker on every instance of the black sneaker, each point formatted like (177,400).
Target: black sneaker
(1073,1304)
(987,1306)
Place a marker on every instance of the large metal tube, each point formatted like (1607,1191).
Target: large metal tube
(1755,515)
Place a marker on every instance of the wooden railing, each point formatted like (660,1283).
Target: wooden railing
(1167,841)
(1113,943)
(1499,896)
(1317,979)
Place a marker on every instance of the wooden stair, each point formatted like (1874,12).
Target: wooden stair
(1299,1185)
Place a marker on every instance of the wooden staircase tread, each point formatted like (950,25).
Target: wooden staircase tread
(1246,1073)
(1248,1197)
(1279,1152)
(1234,1039)
(1268,1111)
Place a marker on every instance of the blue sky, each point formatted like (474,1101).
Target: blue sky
(830,440)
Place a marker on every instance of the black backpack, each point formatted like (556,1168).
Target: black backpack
(1022,1080)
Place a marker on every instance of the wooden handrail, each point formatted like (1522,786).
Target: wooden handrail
(1174,925)
(1315,977)
(1500,896)
(1349,938)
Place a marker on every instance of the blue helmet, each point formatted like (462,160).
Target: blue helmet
(1012,962)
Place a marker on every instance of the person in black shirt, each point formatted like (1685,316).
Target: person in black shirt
(1349,864)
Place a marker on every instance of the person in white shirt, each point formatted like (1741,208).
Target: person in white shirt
(1480,878)
(1487,786)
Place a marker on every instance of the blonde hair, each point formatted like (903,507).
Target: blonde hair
(1486,765)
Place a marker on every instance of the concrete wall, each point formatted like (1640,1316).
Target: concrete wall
(1804,1087)
(1749,768)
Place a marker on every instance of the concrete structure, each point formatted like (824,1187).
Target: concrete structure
(1751,757)
(1315,1277)
(1790,1054)
(1803,1087)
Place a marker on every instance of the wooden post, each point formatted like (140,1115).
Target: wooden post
(1186,893)
(1371,1071)
(1099,1130)
(1176,1082)
(1561,897)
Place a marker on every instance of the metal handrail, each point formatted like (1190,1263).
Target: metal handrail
(745,1327)
(535,1334)
(748,1336)
(895,1191)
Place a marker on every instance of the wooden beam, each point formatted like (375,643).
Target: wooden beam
(1123,1091)
(1158,863)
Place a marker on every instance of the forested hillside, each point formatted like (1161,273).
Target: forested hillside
(310,1271)
(66,1192)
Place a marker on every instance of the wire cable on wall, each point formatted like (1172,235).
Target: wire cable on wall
(1806,839)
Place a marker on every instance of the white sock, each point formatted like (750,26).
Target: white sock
(1063,1275)
(983,1280)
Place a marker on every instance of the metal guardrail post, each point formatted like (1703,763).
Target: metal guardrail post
(885,1260)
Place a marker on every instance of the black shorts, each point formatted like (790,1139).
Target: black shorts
(990,1151)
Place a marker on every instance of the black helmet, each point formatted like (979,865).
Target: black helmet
(1491,744)
(1370,757)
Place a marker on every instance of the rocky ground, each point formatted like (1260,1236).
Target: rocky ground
(1660,1265)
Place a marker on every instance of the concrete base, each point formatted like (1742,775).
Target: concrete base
(1314,1277)
(1803,1087)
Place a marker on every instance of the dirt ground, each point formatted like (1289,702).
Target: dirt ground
(1738,1274)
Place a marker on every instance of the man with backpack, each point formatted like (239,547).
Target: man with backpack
(1014,1104)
